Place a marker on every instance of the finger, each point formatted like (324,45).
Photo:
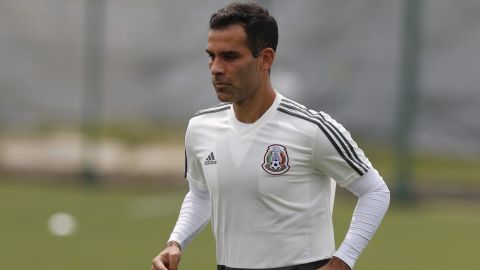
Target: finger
(173,261)
(157,264)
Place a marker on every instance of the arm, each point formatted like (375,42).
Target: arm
(373,200)
(194,215)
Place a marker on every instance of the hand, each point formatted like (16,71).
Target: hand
(169,258)
(335,264)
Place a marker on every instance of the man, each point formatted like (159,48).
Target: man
(259,165)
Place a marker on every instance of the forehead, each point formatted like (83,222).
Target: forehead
(229,38)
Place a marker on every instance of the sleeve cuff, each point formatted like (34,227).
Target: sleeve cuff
(174,237)
(344,257)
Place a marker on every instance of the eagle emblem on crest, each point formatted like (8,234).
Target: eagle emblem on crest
(275,160)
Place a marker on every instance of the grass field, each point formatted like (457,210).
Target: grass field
(124,230)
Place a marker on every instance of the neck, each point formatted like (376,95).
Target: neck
(251,109)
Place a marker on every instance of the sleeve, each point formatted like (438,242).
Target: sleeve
(194,216)
(336,154)
(373,201)
(195,210)
(193,167)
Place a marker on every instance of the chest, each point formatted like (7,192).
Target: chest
(273,160)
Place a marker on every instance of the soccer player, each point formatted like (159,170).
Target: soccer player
(259,164)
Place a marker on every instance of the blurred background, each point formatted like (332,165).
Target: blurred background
(95,96)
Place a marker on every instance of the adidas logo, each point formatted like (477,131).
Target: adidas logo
(210,160)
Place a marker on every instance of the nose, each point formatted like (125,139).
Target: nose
(216,66)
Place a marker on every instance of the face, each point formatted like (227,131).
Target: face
(236,74)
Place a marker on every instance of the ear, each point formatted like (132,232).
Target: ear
(267,56)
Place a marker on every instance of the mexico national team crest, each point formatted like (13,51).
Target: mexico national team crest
(276,160)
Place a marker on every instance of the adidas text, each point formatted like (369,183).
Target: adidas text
(210,160)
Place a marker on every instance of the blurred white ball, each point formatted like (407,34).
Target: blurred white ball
(62,224)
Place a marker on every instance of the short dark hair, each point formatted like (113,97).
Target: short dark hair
(261,28)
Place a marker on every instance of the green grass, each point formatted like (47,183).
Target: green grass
(124,230)
(435,236)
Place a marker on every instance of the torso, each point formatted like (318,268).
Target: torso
(266,195)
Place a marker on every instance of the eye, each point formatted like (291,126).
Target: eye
(211,56)
(230,56)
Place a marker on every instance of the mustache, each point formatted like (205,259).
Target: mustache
(220,80)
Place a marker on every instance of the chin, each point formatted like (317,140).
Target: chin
(222,97)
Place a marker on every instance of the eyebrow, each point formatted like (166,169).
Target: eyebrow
(223,53)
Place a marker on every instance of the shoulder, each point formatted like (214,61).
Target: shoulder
(214,110)
(206,123)
(322,122)
(300,112)
(211,116)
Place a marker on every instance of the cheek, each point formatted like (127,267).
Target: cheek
(252,75)
(250,70)
(246,75)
